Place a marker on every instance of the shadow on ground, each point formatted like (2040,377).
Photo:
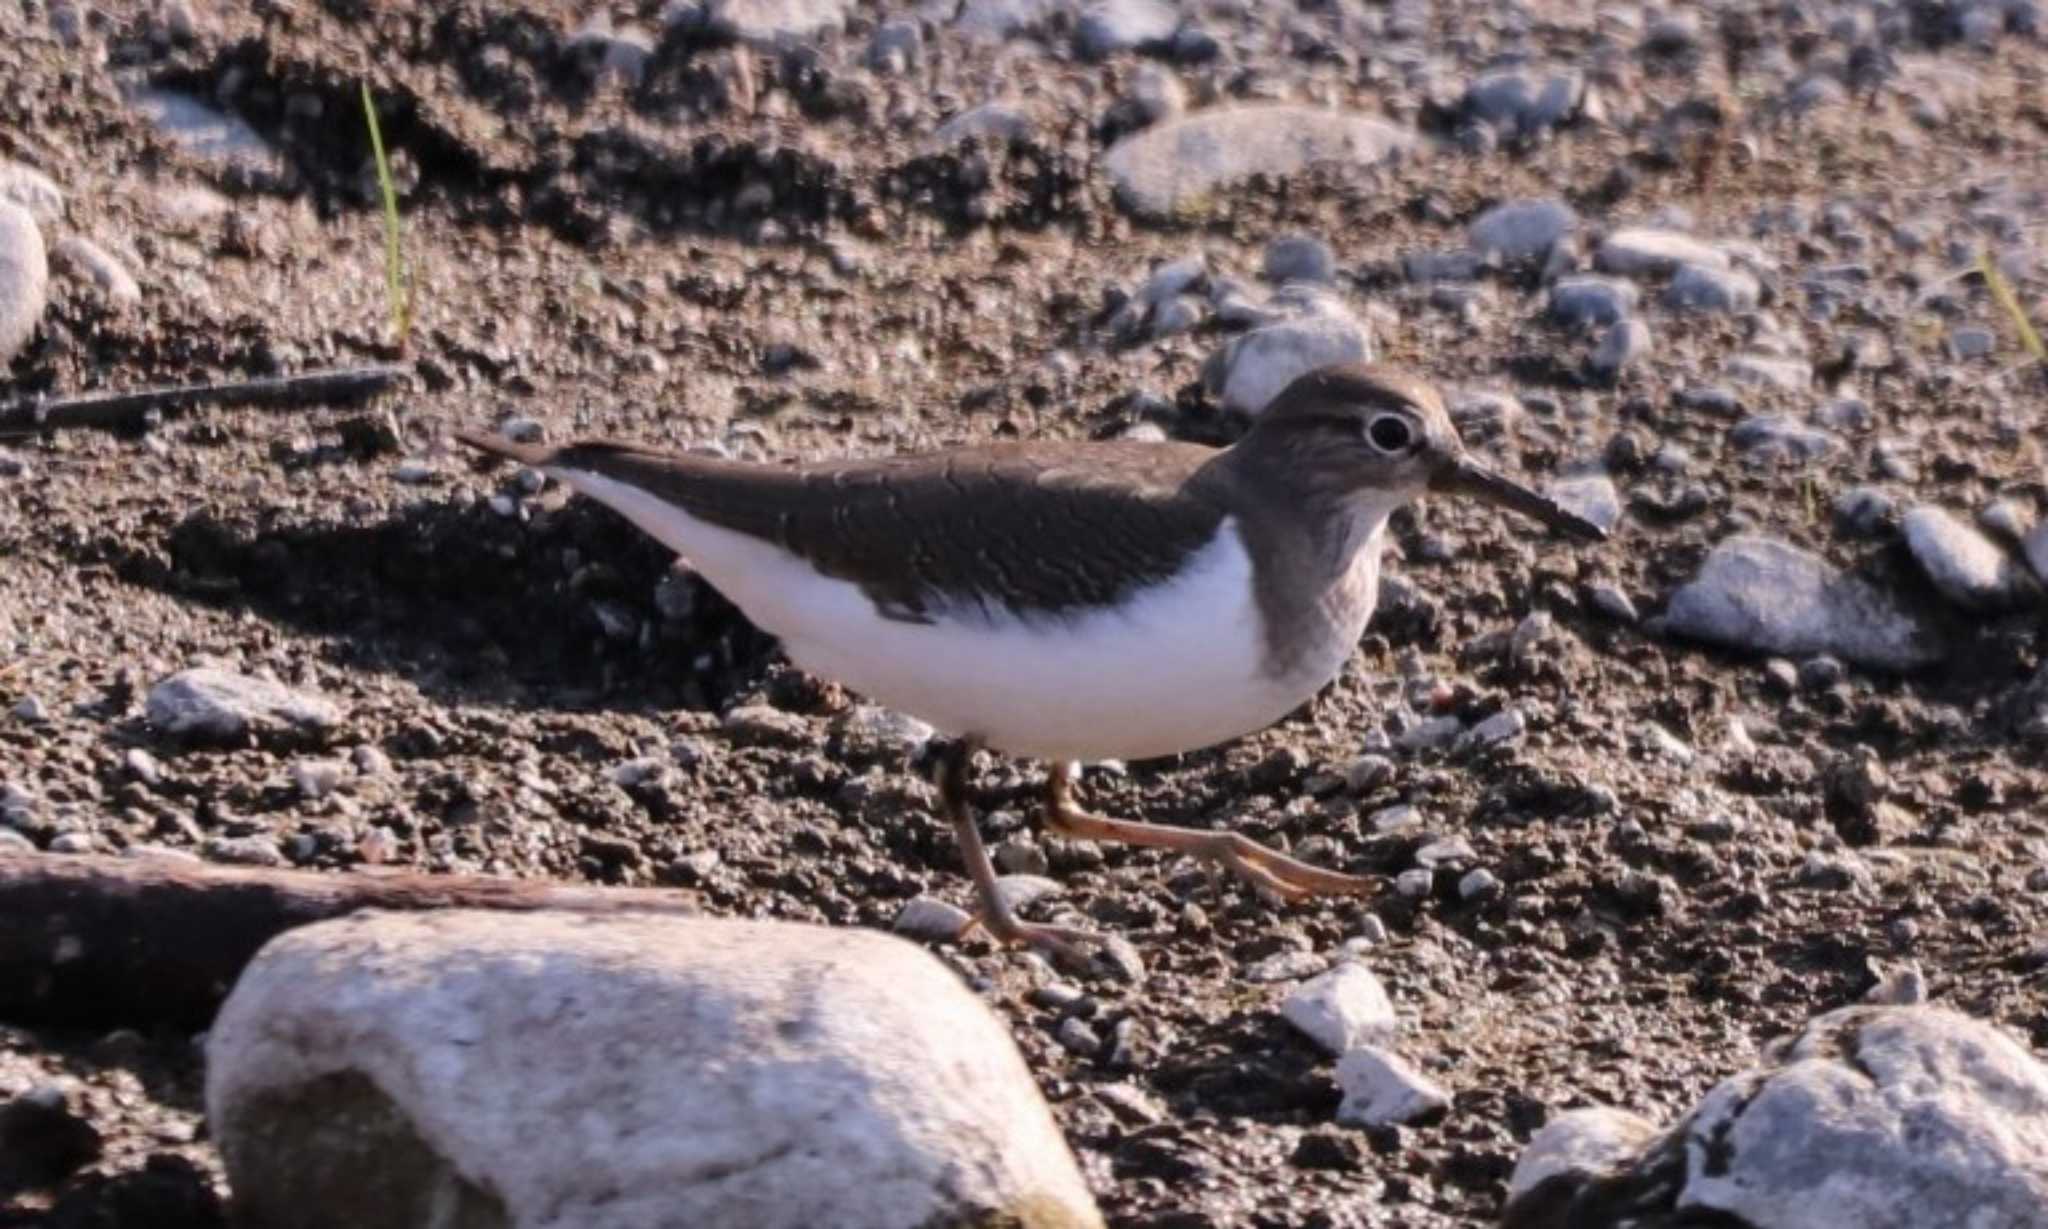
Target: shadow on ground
(571,611)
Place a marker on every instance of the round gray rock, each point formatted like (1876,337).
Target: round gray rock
(1256,366)
(1892,1117)
(1763,595)
(24,278)
(1968,568)
(1522,231)
(497,1069)
(1172,169)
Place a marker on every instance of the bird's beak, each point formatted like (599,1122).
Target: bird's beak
(1464,476)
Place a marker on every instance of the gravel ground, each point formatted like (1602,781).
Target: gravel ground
(659,232)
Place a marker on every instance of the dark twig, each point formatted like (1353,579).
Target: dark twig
(133,409)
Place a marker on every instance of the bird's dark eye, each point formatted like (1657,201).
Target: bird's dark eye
(1390,433)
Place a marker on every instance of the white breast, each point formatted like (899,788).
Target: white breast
(1178,666)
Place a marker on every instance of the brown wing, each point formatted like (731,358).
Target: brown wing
(1040,528)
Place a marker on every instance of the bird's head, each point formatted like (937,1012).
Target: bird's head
(1360,431)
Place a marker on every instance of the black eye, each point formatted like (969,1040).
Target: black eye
(1390,433)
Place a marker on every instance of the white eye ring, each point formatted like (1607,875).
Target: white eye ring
(1390,433)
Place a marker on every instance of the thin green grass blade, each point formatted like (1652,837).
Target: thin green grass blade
(2010,302)
(397,278)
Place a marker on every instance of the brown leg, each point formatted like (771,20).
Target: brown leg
(1067,942)
(1285,877)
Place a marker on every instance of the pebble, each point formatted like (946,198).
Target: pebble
(30,710)
(71,842)
(24,278)
(1611,600)
(2036,550)
(1396,818)
(896,47)
(32,190)
(1708,288)
(1503,727)
(1966,566)
(1076,1036)
(1299,258)
(1254,367)
(1522,231)
(1285,966)
(414,472)
(1780,439)
(1382,1089)
(12,465)
(1785,374)
(1864,511)
(1414,884)
(1156,93)
(1429,734)
(1110,26)
(1971,341)
(1762,595)
(766,23)
(1175,169)
(1641,251)
(930,920)
(210,704)
(991,122)
(764,726)
(318,778)
(1591,496)
(1516,103)
(256,850)
(1479,884)
(1588,300)
(1342,1009)
(1623,344)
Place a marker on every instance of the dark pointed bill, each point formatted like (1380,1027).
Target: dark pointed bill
(1465,476)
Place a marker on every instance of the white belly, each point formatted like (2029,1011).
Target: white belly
(1179,666)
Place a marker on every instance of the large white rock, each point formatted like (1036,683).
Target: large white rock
(1871,1118)
(1763,595)
(1968,568)
(207,703)
(1343,1009)
(24,278)
(1175,168)
(550,1071)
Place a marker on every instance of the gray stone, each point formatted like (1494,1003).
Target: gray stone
(896,46)
(773,22)
(205,131)
(87,259)
(1300,258)
(999,19)
(867,732)
(1971,341)
(489,1070)
(1156,92)
(1864,511)
(1780,439)
(1706,288)
(931,920)
(33,191)
(1254,367)
(1624,343)
(1177,168)
(1343,1009)
(1592,496)
(1110,26)
(1169,281)
(1873,1117)
(2036,550)
(1784,374)
(1763,595)
(1591,302)
(1382,1089)
(1522,231)
(1639,251)
(24,278)
(1517,103)
(208,704)
(1968,568)
(989,122)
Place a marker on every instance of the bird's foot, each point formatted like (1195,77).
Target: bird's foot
(1095,953)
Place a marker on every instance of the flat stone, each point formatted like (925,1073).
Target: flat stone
(95,264)
(24,278)
(999,19)
(1299,258)
(1784,374)
(1382,1089)
(1780,439)
(1873,1117)
(1592,496)
(1343,1009)
(1591,302)
(1639,251)
(771,22)
(1706,288)
(32,190)
(991,121)
(1176,168)
(218,705)
(1625,343)
(489,1069)
(931,920)
(1254,367)
(1110,26)
(1968,568)
(1519,103)
(1765,596)
(1522,231)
